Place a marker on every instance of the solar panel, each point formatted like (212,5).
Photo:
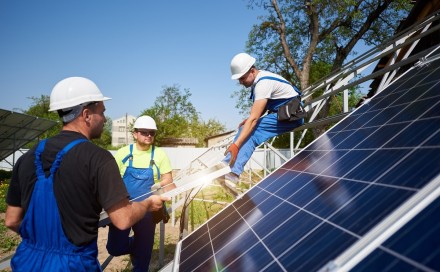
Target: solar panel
(18,129)
(414,247)
(352,192)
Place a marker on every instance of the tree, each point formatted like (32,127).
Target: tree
(176,117)
(40,108)
(297,35)
(105,141)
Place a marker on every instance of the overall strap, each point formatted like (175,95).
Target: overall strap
(60,154)
(272,78)
(56,163)
(130,155)
(38,151)
(153,163)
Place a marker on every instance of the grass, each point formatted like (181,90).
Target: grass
(3,190)
(199,213)
(8,239)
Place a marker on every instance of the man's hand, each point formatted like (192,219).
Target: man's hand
(156,189)
(125,214)
(155,202)
(233,149)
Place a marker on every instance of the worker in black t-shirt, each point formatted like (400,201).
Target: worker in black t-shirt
(59,188)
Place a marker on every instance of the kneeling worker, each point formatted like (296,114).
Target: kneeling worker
(269,93)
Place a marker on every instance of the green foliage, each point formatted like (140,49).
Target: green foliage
(5,175)
(40,108)
(105,141)
(201,211)
(243,103)
(8,240)
(340,25)
(319,70)
(3,190)
(203,129)
(176,117)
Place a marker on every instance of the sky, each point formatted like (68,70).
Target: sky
(131,49)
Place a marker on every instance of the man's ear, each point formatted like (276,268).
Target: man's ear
(86,114)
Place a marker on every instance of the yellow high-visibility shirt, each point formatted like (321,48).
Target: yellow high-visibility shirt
(141,159)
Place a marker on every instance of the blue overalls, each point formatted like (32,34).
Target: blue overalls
(138,182)
(44,245)
(267,127)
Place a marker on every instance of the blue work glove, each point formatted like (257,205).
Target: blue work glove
(233,149)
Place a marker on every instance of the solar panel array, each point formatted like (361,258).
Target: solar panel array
(332,194)
(18,129)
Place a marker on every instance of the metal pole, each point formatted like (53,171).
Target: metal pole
(162,244)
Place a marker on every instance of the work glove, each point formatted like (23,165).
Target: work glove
(233,149)
(156,189)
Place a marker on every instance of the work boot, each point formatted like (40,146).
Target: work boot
(232,177)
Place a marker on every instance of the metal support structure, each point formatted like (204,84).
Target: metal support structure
(354,73)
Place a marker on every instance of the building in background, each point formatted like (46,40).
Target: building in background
(121,130)
(179,142)
(215,139)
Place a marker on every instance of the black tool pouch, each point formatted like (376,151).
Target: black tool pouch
(161,215)
(291,111)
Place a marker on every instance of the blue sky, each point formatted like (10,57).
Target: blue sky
(130,49)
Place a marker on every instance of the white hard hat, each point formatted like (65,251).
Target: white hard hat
(74,91)
(240,64)
(145,122)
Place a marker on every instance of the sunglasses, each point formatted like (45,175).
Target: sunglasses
(151,133)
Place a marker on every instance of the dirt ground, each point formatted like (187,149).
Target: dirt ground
(122,263)
(116,263)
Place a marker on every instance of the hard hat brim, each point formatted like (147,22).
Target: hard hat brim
(69,104)
(237,76)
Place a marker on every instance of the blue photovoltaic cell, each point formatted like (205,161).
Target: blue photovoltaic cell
(327,197)
(419,240)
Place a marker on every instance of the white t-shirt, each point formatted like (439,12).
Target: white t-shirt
(272,89)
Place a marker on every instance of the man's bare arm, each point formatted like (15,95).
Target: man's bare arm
(13,218)
(257,111)
(167,182)
(125,214)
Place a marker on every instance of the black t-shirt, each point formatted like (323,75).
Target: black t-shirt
(86,182)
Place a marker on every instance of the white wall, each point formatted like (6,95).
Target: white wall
(182,157)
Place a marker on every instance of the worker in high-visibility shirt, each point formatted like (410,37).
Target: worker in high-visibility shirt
(145,169)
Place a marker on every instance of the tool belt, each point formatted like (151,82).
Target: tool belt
(291,111)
